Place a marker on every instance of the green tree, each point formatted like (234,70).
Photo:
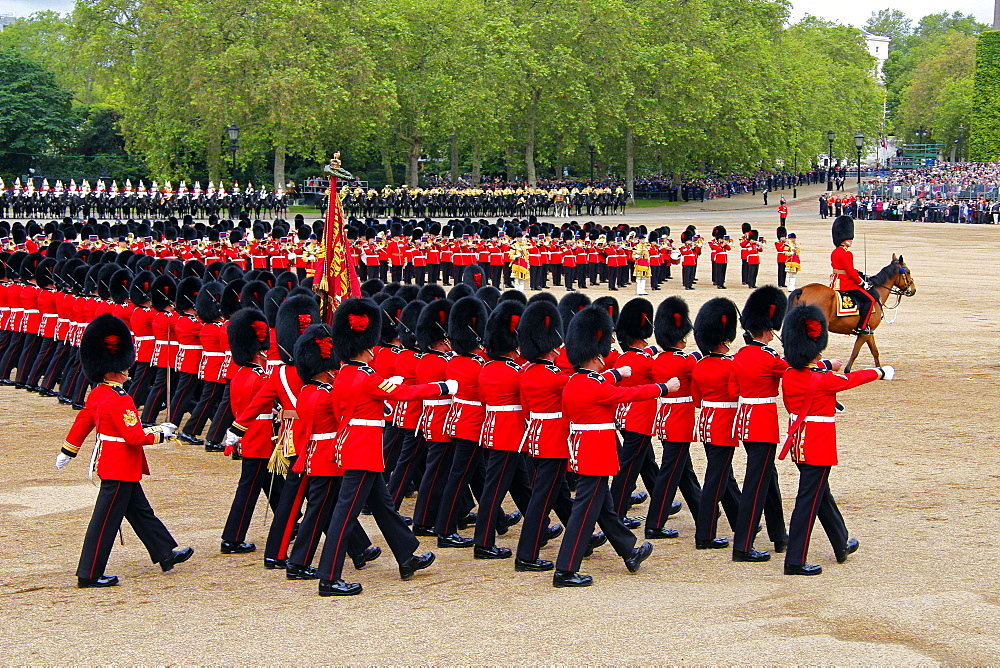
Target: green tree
(891,23)
(35,113)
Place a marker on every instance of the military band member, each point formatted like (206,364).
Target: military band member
(809,391)
(359,395)
(793,263)
(780,248)
(589,402)
(107,354)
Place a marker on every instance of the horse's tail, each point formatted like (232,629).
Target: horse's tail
(793,297)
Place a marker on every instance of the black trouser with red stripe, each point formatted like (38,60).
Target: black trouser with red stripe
(505,471)
(157,396)
(408,466)
(760,495)
(720,486)
(12,354)
(119,500)
(40,362)
(322,498)
(358,489)
(142,378)
(254,479)
(286,513)
(57,365)
(439,456)
(392,443)
(548,492)
(675,471)
(188,387)
(813,500)
(208,402)
(222,420)
(29,352)
(453,507)
(592,505)
(631,456)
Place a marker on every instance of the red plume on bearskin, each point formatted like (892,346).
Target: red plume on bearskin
(635,322)
(804,335)
(432,324)
(764,309)
(467,325)
(474,276)
(570,305)
(407,326)
(248,335)
(295,315)
(106,347)
(208,303)
(314,351)
(392,309)
(609,304)
(502,328)
(672,322)
(357,324)
(588,335)
(540,329)
(715,324)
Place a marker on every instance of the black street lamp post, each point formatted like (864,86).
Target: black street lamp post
(591,148)
(234,135)
(961,142)
(859,142)
(830,136)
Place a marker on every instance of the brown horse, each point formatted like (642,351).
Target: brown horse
(893,280)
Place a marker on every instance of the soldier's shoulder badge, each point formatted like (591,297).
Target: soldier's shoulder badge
(130,418)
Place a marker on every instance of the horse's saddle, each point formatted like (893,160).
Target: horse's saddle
(846,305)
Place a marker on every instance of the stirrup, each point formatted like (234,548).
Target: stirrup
(863,331)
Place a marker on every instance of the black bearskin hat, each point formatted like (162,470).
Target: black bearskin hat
(514,296)
(187,293)
(253,294)
(461,290)
(635,321)
(570,305)
(781,232)
(103,280)
(407,325)
(371,287)
(106,347)
(718,232)
(609,304)
(540,329)
(843,229)
(489,295)
(193,268)
(474,277)
(213,272)
(231,298)
(588,335)
(314,352)
(357,324)
(163,292)
(28,266)
(272,302)
(208,304)
(232,272)
(248,335)
(805,335)
(390,288)
(764,310)
(142,285)
(407,292)
(296,314)
(430,292)
(432,325)
(543,297)
(392,309)
(715,324)
(746,227)
(467,324)
(672,322)
(119,284)
(502,328)
(286,280)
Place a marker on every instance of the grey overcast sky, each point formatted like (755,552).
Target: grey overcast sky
(853,12)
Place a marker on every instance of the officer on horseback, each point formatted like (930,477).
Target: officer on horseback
(845,277)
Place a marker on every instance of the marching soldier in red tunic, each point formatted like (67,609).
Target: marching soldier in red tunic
(589,402)
(845,277)
(249,339)
(757,370)
(810,391)
(714,330)
(107,354)
(214,345)
(188,332)
(359,395)
(674,421)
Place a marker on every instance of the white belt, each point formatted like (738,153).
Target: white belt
(756,401)
(357,422)
(719,404)
(813,418)
(31,310)
(676,400)
(162,342)
(505,409)
(115,439)
(466,402)
(545,416)
(62,320)
(271,363)
(437,402)
(17,310)
(145,338)
(603,426)
(328,436)
(187,347)
(265,416)
(210,354)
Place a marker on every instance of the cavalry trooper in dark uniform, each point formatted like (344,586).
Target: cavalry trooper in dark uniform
(107,353)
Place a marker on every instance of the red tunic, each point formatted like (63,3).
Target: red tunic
(110,412)
(710,389)
(141,324)
(317,427)
(214,344)
(433,368)
(816,441)
(258,429)
(500,387)
(842,260)
(636,416)
(675,416)
(756,373)
(359,394)
(547,434)
(281,388)
(589,401)
(466,414)
(188,343)
(406,414)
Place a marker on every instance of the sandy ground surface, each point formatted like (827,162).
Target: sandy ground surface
(917,486)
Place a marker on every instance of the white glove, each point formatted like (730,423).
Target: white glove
(888,373)
(452,386)
(168,429)
(395,380)
(625,371)
(62,459)
(231,438)
(836,365)
(673,384)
